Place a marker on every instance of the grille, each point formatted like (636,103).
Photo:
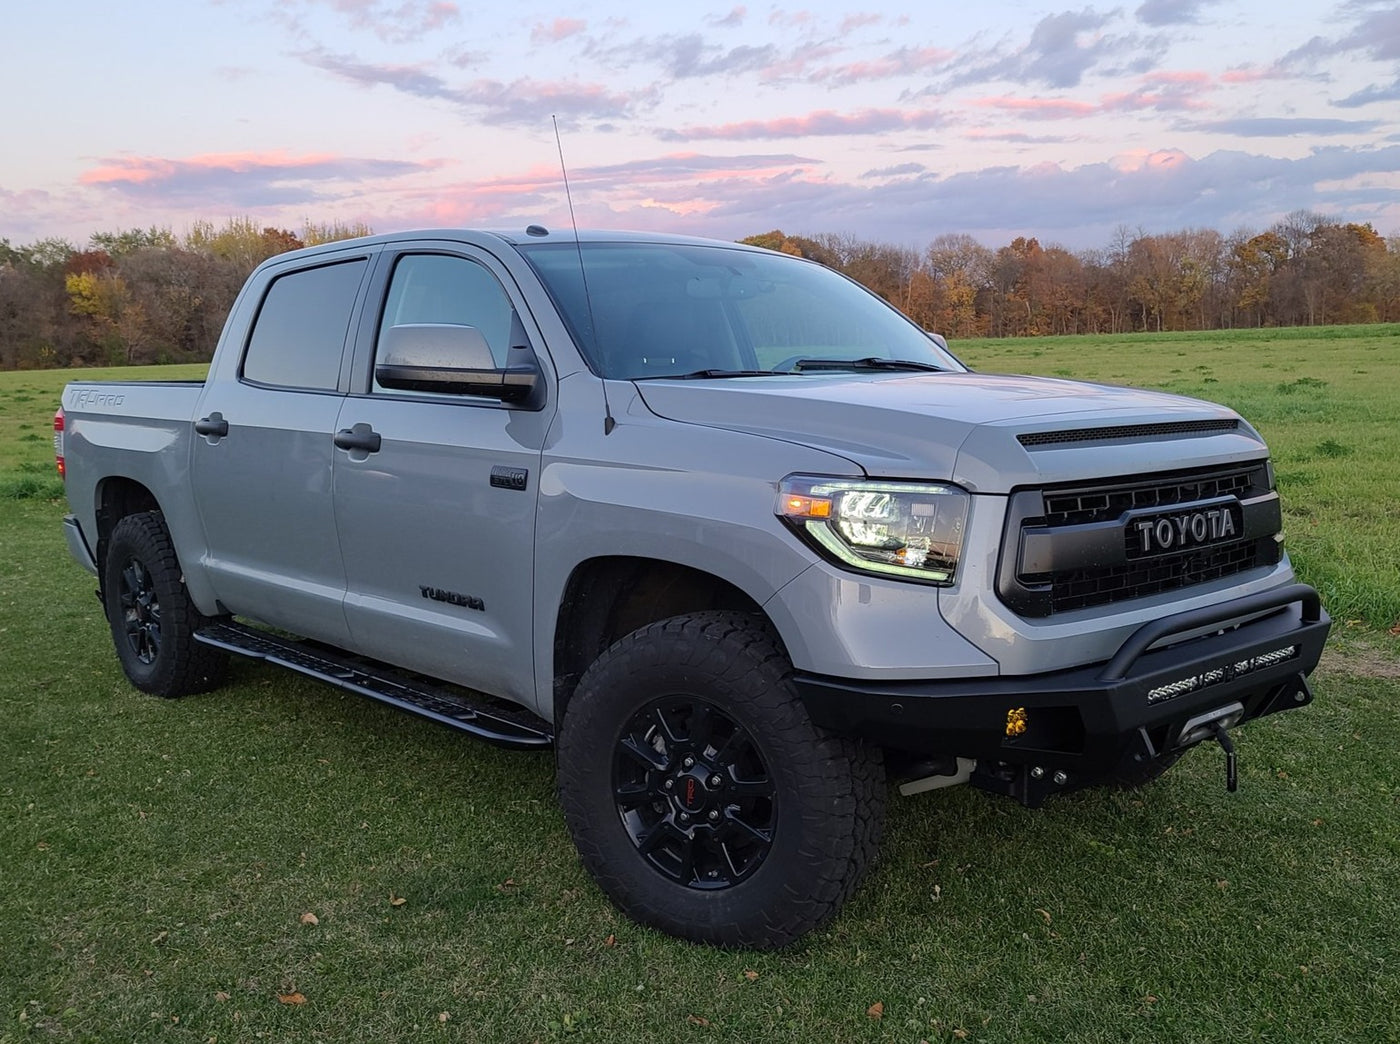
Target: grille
(1075,507)
(1081,586)
(1127,431)
(1084,589)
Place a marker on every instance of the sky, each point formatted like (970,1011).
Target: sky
(893,122)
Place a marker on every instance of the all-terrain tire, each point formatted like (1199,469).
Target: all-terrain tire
(152,618)
(700,795)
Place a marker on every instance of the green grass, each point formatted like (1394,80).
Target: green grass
(157,857)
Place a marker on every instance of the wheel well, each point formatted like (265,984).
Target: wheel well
(607,598)
(117,498)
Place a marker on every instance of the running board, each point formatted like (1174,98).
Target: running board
(498,725)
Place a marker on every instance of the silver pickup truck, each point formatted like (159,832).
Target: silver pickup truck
(727,530)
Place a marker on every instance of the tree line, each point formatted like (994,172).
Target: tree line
(134,297)
(148,296)
(1306,270)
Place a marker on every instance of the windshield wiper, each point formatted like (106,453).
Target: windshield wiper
(871,362)
(709,375)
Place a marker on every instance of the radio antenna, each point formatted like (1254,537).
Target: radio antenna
(608,422)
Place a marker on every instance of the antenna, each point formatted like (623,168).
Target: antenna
(608,422)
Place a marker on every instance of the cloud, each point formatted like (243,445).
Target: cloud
(523,102)
(241,179)
(394,21)
(1284,127)
(1377,93)
(1171,12)
(1163,190)
(1061,51)
(732,20)
(895,171)
(559,29)
(813,124)
(1376,33)
(690,56)
(906,61)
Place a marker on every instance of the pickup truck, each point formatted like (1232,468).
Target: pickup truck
(731,533)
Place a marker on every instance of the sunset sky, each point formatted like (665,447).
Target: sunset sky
(890,121)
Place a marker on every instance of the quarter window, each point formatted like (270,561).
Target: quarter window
(299,335)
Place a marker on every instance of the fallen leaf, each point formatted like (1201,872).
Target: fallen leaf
(751,975)
(396,900)
(1317,822)
(310,918)
(291,998)
(221,996)
(961,1033)
(697,1020)
(443,1016)
(509,882)
(1222,885)
(876,1010)
(1043,913)
(43,846)
(611,940)
(1395,631)
(160,938)
(1149,999)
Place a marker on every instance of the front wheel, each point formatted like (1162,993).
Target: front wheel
(701,797)
(152,618)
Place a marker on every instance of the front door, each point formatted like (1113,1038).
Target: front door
(436,525)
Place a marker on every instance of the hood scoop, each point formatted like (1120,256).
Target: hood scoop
(1168,429)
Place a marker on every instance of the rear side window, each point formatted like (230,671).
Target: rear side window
(299,335)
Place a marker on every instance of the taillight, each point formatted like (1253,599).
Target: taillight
(58,443)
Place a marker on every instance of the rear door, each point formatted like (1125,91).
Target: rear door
(262,455)
(437,525)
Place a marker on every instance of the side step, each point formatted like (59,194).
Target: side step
(499,725)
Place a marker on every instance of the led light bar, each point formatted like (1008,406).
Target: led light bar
(1216,675)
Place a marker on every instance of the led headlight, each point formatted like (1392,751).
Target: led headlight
(910,530)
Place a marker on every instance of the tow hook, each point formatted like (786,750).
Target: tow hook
(1232,778)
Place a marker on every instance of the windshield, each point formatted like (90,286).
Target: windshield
(665,309)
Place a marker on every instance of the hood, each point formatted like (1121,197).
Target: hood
(964,427)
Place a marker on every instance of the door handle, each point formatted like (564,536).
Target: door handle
(214,424)
(360,437)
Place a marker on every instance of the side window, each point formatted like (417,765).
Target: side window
(436,288)
(299,334)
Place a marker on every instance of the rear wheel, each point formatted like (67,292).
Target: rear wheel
(152,618)
(700,795)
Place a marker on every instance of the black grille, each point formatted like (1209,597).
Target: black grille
(1076,506)
(1126,431)
(1066,514)
(1084,589)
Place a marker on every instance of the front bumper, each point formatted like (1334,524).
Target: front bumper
(1037,734)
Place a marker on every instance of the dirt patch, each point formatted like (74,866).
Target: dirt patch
(1361,661)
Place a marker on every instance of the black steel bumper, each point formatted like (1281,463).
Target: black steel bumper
(1037,734)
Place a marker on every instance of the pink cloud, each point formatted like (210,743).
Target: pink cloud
(904,62)
(559,29)
(859,20)
(824,122)
(1253,74)
(138,170)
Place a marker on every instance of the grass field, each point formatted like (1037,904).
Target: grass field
(159,858)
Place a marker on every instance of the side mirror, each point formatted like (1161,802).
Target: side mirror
(444,357)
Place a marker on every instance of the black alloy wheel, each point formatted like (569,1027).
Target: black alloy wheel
(149,610)
(140,611)
(694,793)
(700,795)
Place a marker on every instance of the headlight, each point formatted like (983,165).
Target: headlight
(905,529)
